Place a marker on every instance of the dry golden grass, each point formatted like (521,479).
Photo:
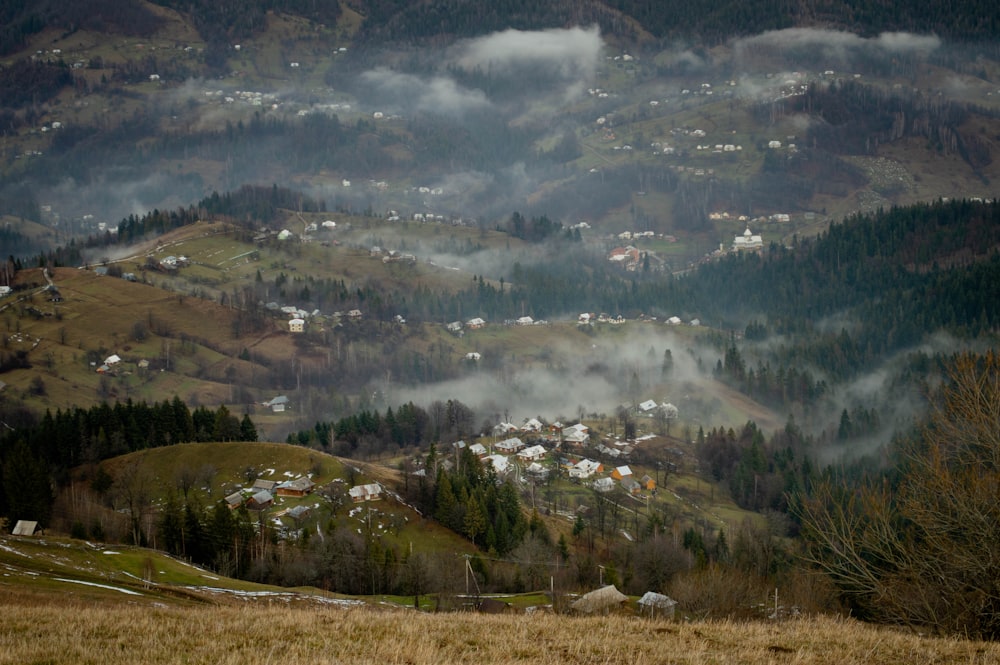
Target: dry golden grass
(33,632)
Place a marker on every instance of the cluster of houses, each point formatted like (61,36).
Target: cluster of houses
(263,493)
(458,328)
(298,317)
(622,476)
(502,455)
(588,319)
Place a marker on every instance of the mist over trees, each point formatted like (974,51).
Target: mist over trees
(917,545)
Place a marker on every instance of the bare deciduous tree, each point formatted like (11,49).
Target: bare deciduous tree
(925,553)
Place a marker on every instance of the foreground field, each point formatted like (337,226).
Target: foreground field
(68,633)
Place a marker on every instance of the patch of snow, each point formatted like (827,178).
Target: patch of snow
(102,586)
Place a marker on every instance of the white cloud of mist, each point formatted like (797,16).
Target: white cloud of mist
(110,199)
(838,44)
(564,386)
(573,54)
(437,94)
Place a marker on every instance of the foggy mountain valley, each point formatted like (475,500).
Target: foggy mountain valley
(595,293)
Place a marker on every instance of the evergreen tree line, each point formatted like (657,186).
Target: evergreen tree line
(369,432)
(220,538)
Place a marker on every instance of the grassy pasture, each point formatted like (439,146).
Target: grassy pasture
(44,631)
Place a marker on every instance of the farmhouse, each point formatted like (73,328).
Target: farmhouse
(605,484)
(631,485)
(504,428)
(262,484)
(234,500)
(510,446)
(277,404)
(478,449)
(369,492)
(621,472)
(500,463)
(585,468)
(475,324)
(298,487)
(532,425)
(260,501)
(577,434)
(531,454)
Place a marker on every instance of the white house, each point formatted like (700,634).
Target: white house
(475,323)
(296,325)
(525,321)
(369,492)
(510,446)
(113,359)
(278,404)
(585,468)
(504,428)
(532,425)
(578,434)
(604,484)
(531,454)
(647,406)
(537,470)
(478,449)
(500,463)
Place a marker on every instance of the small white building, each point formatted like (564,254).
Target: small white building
(296,325)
